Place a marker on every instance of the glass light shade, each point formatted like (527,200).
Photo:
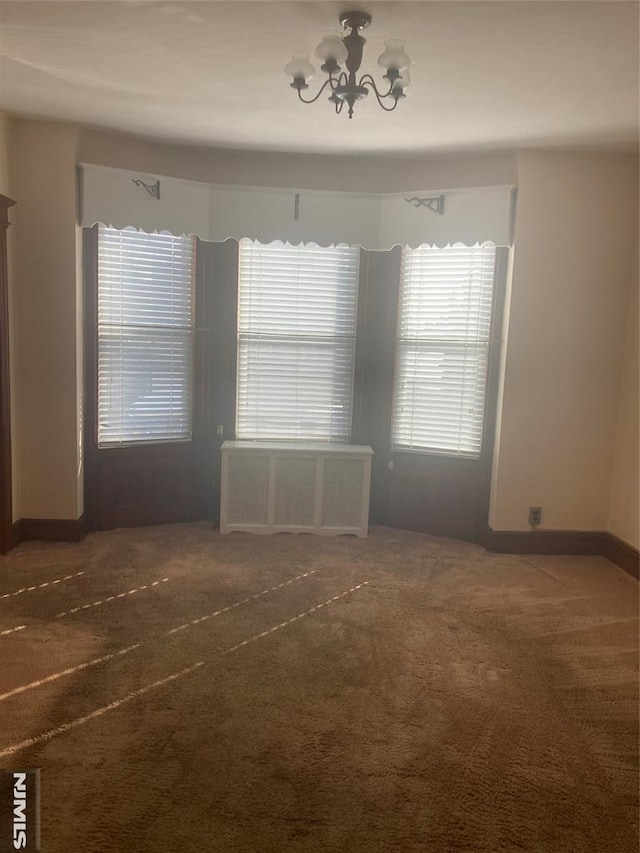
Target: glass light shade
(332,47)
(299,66)
(394,56)
(403,82)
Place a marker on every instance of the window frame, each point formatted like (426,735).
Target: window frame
(191,330)
(353,340)
(494,349)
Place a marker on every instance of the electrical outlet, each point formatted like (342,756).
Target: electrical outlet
(220,429)
(535,514)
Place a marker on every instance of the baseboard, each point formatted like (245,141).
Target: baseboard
(596,543)
(582,542)
(50,529)
(623,555)
(579,542)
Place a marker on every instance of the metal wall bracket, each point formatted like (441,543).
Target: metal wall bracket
(152,189)
(434,203)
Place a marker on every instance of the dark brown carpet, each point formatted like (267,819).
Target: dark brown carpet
(456,701)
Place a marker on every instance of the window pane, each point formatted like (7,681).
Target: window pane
(297,290)
(296,341)
(144,384)
(145,336)
(312,401)
(442,353)
(439,400)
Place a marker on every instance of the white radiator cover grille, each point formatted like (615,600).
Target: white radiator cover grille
(249,497)
(273,487)
(295,491)
(343,482)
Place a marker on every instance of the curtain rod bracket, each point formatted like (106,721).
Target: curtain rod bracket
(434,203)
(152,189)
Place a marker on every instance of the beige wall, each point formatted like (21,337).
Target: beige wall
(567,424)
(575,232)
(297,171)
(45,395)
(6,189)
(624,512)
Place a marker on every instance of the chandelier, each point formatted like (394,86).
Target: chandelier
(344,86)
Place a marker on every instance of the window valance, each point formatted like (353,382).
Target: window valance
(216,212)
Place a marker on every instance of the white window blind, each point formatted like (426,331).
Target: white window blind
(442,351)
(296,341)
(145,336)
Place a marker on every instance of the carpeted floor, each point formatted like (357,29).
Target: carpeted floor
(400,693)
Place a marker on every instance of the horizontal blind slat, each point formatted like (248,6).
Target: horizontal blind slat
(297,310)
(442,348)
(146,319)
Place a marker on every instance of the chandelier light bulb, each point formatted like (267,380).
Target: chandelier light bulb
(299,67)
(332,47)
(402,82)
(394,56)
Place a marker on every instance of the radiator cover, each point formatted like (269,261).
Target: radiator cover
(276,487)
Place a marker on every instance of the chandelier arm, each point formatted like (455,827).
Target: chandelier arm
(327,82)
(379,97)
(368,79)
(388,109)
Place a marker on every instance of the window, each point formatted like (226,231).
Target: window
(442,350)
(145,336)
(296,341)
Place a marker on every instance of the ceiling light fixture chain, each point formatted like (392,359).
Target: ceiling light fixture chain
(345,86)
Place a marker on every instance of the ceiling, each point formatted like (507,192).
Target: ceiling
(487,75)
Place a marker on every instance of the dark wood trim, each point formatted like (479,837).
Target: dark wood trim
(6,511)
(623,555)
(220,286)
(51,529)
(146,484)
(582,542)
(595,543)
(378,293)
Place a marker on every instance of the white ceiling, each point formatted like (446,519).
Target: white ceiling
(487,75)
